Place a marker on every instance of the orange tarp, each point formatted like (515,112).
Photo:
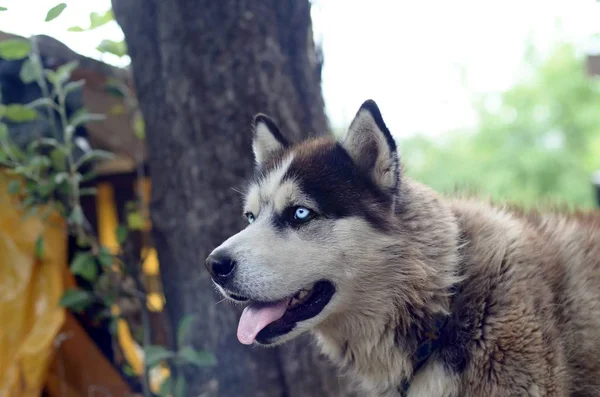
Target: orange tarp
(41,345)
(30,289)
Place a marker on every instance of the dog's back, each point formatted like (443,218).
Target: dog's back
(530,303)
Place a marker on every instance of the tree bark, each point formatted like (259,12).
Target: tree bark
(202,69)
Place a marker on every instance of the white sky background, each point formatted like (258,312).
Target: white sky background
(406,55)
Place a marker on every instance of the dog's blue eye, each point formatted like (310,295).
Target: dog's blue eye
(250,217)
(302,213)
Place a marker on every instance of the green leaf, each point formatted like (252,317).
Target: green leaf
(30,185)
(32,146)
(117,109)
(69,131)
(93,155)
(39,162)
(97,19)
(82,116)
(128,371)
(180,387)
(88,176)
(184,328)
(122,233)
(76,299)
(73,86)
(19,113)
(14,49)
(23,170)
(135,220)
(81,260)
(39,247)
(59,159)
(76,216)
(63,73)
(3,8)
(60,177)
(55,11)
(76,29)
(40,102)
(105,258)
(165,388)
(51,76)
(197,358)
(84,265)
(3,129)
(154,354)
(44,189)
(82,240)
(139,127)
(30,71)
(14,187)
(118,48)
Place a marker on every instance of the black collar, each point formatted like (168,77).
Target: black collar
(430,342)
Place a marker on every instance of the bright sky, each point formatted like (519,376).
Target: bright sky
(406,55)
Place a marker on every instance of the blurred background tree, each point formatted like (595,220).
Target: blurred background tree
(202,70)
(536,143)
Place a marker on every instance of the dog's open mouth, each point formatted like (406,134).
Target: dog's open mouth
(264,321)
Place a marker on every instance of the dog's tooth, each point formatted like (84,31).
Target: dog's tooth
(299,297)
(293,302)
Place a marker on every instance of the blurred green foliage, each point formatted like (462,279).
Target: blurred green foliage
(537,143)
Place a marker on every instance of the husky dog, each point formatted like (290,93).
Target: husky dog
(415,294)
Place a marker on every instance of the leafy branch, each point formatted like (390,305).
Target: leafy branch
(48,173)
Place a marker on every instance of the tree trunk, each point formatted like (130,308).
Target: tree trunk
(202,69)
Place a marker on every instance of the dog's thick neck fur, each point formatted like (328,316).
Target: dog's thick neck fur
(383,328)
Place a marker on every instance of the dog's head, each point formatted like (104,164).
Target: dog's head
(313,211)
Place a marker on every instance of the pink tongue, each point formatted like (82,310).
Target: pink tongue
(256,317)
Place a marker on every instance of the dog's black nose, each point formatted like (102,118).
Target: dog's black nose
(220,267)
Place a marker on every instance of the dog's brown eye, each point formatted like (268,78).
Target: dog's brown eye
(250,217)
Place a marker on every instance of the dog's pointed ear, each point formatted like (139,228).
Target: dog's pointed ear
(267,139)
(373,148)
